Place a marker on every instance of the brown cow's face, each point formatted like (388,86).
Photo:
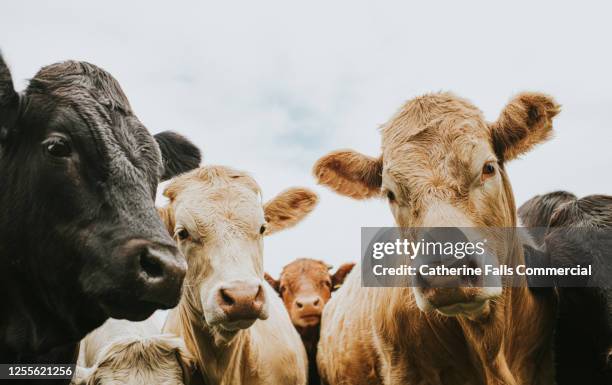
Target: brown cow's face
(219,221)
(305,286)
(442,166)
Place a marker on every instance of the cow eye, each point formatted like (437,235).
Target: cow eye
(262,229)
(488,170)
(57,147)
(390,196)
(182,234)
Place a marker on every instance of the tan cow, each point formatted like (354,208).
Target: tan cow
(135,353)
(442,165)
(230,318)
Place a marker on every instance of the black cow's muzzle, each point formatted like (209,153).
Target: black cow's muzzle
(152,280)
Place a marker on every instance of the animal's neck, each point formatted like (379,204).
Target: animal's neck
(28,327)
(221,359)
(310,338)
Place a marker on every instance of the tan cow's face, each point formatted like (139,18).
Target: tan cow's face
(305,285)
(162,360)
(442,165)
(219,222)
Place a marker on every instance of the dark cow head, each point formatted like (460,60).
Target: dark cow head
(577,231)
(80,238)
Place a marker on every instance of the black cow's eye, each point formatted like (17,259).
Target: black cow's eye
(182,234)
(390,196)
(488,170)
(262,229)
(58,147)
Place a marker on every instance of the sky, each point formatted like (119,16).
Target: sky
(270,86)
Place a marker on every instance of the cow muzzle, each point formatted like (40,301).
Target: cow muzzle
(152,279)
(237,305)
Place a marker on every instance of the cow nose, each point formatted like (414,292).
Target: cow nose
(241,300)
(161,270)
(309,304)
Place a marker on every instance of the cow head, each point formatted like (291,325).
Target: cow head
(219,222)
(305,285)
(442,165)
(161,359)
(80,238)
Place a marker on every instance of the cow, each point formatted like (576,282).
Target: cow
(231,320)
(80,237)
(134,353)
(583,326)
(442,165)
(305,285)
(535,214)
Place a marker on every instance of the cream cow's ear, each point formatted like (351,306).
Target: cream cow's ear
(288,208)
(350,173)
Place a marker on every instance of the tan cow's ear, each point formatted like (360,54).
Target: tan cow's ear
(273,282)
(340,274)
(288,208)
(350,173)
(525,122)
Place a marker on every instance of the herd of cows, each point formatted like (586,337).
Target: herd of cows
(86,257)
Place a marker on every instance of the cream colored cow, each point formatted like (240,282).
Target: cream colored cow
(232,321)
(135,353)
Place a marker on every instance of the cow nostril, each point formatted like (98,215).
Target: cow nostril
(150,265)
(299,304)
(226,298)
(316,302)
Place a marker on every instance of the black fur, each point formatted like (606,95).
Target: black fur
(178,153)
(65,222)
(578,233)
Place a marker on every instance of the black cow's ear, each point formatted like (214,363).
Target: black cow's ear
(9,101)
(178,153)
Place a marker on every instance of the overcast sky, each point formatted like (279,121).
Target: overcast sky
(269,87)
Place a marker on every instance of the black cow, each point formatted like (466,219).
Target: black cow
(578,232)
(80,237)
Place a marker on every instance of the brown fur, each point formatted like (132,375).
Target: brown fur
(288,208)
(309,281)
(360,174)
(434,150)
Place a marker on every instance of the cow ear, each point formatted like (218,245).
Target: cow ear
(9,101)
(273,282)
(525,122)
(178,153)
(350,173)
(340,275)
(288,209)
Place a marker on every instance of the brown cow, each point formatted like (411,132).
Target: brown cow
(442,165)
(305,285)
